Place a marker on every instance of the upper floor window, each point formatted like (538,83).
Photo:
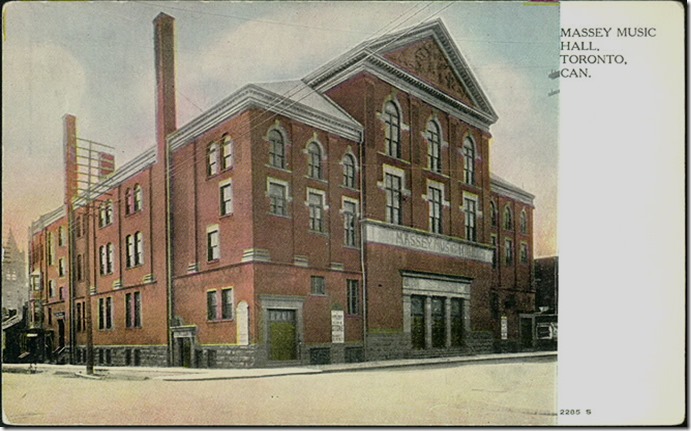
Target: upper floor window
(353,296)
(105,213)
(80,267)
(470,209)
(278,197)
(129,201)
(349,171)
(62,237)
(105,313)
(494,251)
(469,161)
(50,248)
(78,226)
(316,208)
(318,285)
(138,198)
(61,267)
(433,146)
(523,222)
(524,253)
(314,167)
(135,249)
(434,196)
(107,262)
(493,213)
(213,243)
(226,192)
(212,159)
(277,149)
(508,252)
(350,222)
(508,218)
(392,130)
(393,185)
(227,152)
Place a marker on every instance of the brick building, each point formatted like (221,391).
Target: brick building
(350,215)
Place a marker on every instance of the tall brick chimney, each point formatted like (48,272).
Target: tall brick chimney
(164,50)
(70,153)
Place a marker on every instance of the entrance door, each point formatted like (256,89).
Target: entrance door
(185,352)
(282,335)
(417,311)
(61,333)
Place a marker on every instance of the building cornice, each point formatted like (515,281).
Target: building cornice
(47,219)
(254,96)
(504,188)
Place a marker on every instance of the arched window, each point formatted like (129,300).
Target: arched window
(227,152)
(493,213)
(508,218)
(314,169)
(523,222)
(433,146)
(349,171)
(138,198)
(392,132)
(277,149)
(128,201)
(212,159)
(469,161)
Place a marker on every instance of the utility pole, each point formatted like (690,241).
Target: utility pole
(88,158)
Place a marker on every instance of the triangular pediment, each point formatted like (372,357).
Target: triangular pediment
(425,57)
(426,60)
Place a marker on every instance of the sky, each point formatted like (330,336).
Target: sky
(95,60)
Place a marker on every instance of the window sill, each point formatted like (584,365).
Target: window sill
(435,173)
(352,189)
(213,261)
(285,216)
(320,233)
(222,216)
(320,180)
(287,171)
(393,157)
(139,265)
(220,320)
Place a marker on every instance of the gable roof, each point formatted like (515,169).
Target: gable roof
(293,99)
(371,56)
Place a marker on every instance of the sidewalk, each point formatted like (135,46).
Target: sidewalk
(187,374)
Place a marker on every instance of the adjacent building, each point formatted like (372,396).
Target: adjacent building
(349,215)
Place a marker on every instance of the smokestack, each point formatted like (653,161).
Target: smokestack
(70,153)
(164,50)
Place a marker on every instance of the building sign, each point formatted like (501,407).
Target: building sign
(337,326)
(504,328)
(402,237)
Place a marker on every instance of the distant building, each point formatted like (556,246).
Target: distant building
(14,285)
(547,284)
(347,216)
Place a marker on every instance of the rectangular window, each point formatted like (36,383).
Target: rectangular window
(417,321)
(226,199)
(393,185)
(129,240)
(79,316)
(61,267)
(110,257)
(227,152)
(62,238)
(109,313)
(213,244)
(227,304)
(349,223)
(211,305)
(318,285)
(78,226)
(353,287)
(524,252)
(50,316)
(435,206)
(470,209)
(494,251)
(277,197)
(137,309)
(133,310)
(102,259)
(129,320)
(51,288)
(101,313)
(49,247)
(138,248)
(456,322)
(508,252)
(62,294)
(80,267)
(316,206)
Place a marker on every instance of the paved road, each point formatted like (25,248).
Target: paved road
(521,393)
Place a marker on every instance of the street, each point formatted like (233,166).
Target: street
(513,393)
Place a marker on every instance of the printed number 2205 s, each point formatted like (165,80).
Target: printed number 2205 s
(573,412)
